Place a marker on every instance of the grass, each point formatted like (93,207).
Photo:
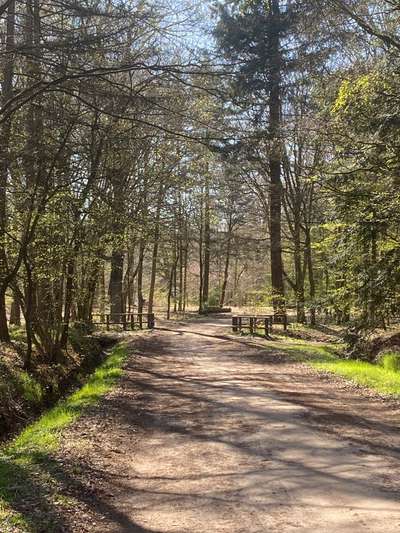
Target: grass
(383,377)
(29,388)
(28,471)
(369,375)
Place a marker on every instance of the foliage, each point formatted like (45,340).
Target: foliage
(390,361)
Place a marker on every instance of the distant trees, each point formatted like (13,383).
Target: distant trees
(132,174)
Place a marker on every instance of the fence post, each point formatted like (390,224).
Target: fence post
(124,325)
(266,327)
(235,324)
(150,320)
(140,317)
(240,324)
(251,326)
(108,322)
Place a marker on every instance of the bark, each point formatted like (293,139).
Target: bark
(227,263)
(68,301)
(311,279)
(275,159)
(207,248)
(102,293)
(15,314)
(201,237)
(116,285)
(5,134)
(28,314)
(171,283)
(299,272)
(155,249)
(142,247)
(181,274)
(185,276)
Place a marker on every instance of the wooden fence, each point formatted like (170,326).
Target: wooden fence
(255,322)
(126,320)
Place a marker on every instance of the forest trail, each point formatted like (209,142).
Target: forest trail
(210,434)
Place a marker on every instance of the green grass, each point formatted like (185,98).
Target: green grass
(383,377)
(369,375)
(29,388)
(28,471)
(390,361)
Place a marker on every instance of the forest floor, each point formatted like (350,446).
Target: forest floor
(207,432)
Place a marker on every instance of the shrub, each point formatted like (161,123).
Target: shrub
(390,361)
(82,342)
(29,388)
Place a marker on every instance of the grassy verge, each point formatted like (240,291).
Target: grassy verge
(369,375)
(29,475)
(325,357)
(383,377)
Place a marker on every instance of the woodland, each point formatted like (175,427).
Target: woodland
(183,156)
(187,164)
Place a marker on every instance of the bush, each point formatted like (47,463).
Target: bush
(82,342)
(390,361)
(29,388)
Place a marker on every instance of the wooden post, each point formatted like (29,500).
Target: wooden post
(240,324)
(235,324)
(132,321)
(285,322)
(150,320)
(108,322)
(124,325)
(140,317)
(271,322)
(266,327)
(252,325)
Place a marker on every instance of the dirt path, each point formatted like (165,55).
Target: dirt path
(205,434)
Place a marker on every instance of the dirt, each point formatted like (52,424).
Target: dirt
(211,433)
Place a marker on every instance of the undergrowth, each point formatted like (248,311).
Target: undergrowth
(28,471)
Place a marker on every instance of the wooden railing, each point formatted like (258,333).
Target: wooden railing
(126,320)
(255,322)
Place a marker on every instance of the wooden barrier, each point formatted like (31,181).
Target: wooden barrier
(124,320)
(253,322)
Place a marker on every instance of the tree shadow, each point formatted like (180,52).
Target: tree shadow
(40,480)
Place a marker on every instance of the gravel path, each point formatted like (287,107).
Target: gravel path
(210,434)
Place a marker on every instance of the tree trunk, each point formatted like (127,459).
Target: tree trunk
(155,249)
(185,276)
(201,237)
(207,248)
(181,274)
(142,246)
(311,279)
(227,262)
(102,293)
(275,159)
(15,314)
(28,314)
(171,283)
(69,285)
(299,272)
(5,133)
(116,285)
